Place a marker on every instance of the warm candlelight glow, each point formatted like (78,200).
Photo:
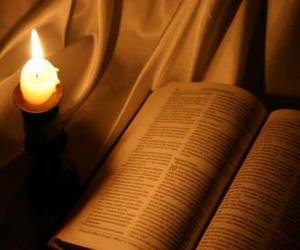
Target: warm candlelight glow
(38,77)
(36,47)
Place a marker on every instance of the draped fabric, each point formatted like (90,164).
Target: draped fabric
(111,53)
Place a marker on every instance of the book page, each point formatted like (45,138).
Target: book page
(262,207)
(166,174)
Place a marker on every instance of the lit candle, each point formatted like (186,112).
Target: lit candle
(38,76)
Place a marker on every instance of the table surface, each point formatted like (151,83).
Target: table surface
(24,222)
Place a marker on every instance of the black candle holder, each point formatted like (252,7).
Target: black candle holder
(53,183)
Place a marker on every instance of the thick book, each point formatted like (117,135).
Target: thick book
(201,166)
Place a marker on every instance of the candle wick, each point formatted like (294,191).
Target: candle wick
(37,75)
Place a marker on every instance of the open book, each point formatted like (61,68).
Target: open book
(202,166)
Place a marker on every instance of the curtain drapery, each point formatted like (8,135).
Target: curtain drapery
(111,53)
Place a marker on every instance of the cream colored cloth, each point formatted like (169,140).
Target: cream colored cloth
(112,52)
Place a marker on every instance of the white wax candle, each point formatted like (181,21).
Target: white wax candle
(38,76)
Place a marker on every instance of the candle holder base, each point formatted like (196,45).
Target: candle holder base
(54,183)
(54,191)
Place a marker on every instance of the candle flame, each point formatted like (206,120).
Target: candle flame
(36,47)
(38,77)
